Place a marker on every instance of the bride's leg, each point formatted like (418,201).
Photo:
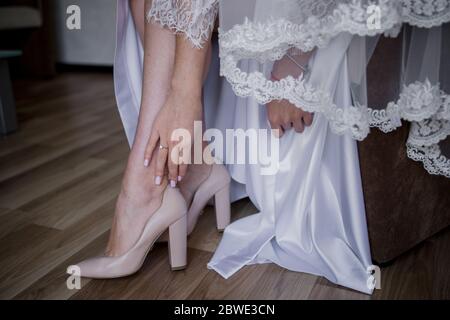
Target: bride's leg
(139,196)
(197,173)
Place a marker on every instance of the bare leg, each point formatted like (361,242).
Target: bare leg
(197,173)
(139,196)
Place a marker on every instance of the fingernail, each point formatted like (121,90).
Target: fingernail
(173,183)
(157,180)
(146,162)
(180,178)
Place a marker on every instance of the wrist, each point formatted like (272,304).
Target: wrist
(187,89)
(185,98)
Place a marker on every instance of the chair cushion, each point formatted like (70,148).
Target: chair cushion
(19,17)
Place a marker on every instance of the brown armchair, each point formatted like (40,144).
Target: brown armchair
(404,204)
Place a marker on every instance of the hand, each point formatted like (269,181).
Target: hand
(283,115)
(179,112)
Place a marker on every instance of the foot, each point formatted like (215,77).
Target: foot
(195,176)
(171,215)
(131,216)
(139,198)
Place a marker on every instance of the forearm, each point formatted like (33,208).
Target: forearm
(189,69)
(158,65)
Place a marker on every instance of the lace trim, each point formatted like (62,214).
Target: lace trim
(432,158)
(418,101)
(428,132)
(298,92)
(271,39)
(425,13)
(424,104)
(429,110)
(193,18)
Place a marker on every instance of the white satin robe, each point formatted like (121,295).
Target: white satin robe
(312,216)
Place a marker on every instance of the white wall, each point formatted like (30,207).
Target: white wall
(94,43)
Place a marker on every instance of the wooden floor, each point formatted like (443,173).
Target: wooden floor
(59,176)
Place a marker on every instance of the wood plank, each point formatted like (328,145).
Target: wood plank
(31,157)
(239,286)
(155,280)
(53,284)
(35,183)
(17,250)
(278,283)
(326,290)
(21,189)
(118,151)
(4,210)
(205,235)
(80,135)
(77,199)
(41,99)
(8,146)
(25,159)
(32,131)
(30,255)
(180,285)
(421,273)
(12,220)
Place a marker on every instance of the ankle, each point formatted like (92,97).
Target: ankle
(143,194)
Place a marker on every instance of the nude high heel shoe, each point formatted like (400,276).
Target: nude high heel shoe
(217,185)
(171,215)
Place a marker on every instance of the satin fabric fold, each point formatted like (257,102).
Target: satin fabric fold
(312,216)
(128,68)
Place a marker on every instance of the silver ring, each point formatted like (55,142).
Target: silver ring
(163,147)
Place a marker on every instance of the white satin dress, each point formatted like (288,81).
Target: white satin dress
(312,216)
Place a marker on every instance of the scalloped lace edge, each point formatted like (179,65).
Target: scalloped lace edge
(194,21)
(418,102)
(431,157)
(252,39)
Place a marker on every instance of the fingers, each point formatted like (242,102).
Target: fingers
(161,155)
(304,120)
(308,118)
(299,126)
(287,125)
(182,170)
(151,144)
(166,156)
(161,159)
(279,131)
(184,157)
(172,165)
(276,126)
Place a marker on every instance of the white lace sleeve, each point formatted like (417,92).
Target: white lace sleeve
(194,18)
